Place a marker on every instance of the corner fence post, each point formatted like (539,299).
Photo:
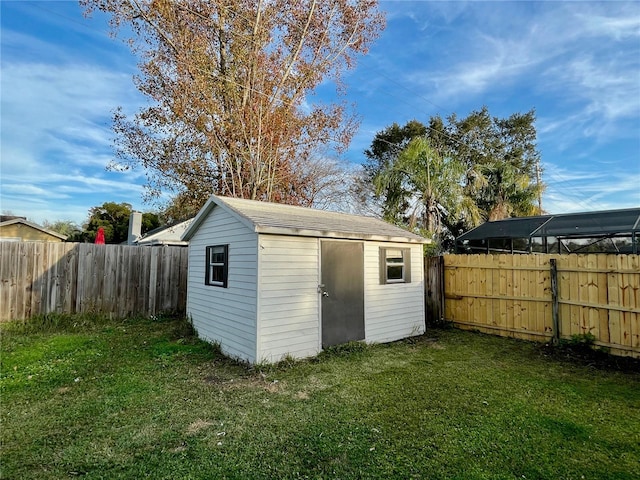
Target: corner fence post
(554,300)
(441,287)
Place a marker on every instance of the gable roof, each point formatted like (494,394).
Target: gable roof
(166,235)
(275,218)
(35,226)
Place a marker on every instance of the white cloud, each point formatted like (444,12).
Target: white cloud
(502,46)
(626,24)
(26,189)
(592,187)
(92,183)
(611,87)
(52,97)
(56,137)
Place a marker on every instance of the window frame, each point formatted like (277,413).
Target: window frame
(384,266)
(209,264)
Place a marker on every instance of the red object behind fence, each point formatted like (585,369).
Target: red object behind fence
(100,236)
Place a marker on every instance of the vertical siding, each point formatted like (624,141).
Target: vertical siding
(392,311)
(288,322)
(225,315)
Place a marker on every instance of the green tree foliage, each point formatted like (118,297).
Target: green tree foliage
(429,185)
(114,219)
(388,143)
(65,227)
(503,191)
(428,194)
(450,176)
(384,150)
(501,159)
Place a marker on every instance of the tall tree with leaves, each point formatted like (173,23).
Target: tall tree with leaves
(502,191)
(114,219)
(501,158)
(383,153)
(65,227)
(430,186)
(498,157)
(230,80)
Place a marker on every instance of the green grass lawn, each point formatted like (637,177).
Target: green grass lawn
(94,398)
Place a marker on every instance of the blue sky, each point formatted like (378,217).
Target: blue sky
(576,63)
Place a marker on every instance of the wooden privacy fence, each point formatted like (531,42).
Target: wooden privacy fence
(514,295)
(39,278)
(434,288)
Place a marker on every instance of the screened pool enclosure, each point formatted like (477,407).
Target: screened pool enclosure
(611,231)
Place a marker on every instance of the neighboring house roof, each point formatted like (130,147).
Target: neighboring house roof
(22,221)
(580,224)
(580,232)
(274,218)
(167,235)
(5,218)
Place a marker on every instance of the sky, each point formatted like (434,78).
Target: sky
(576,63)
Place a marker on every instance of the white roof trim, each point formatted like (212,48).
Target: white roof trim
(166,236)
(268,230)
(156,242)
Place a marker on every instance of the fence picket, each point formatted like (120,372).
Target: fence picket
(634,265)
(597,294)
(37,278)
(627,301)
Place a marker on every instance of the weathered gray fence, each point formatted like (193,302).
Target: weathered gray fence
(39,278)
(434,289)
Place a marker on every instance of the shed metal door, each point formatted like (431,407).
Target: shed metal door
(342,288)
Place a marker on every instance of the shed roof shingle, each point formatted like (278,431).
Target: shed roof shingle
(276,218)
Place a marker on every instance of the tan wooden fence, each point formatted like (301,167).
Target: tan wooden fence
(513,295)
(39,278)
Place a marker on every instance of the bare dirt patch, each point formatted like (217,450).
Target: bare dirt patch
(197,426)
(302,396)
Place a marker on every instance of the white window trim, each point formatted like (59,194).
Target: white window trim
(384,266)
(209,265)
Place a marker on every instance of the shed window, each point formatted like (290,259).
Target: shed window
(217,267)
(395,265)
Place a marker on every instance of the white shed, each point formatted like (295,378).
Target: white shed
(269,280)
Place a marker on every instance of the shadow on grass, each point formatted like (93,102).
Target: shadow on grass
(586,355)
(576,351)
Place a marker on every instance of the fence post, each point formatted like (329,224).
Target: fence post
(441,287)
(434,289)
(554,300)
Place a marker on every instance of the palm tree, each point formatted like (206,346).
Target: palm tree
(502,191)
(427,189)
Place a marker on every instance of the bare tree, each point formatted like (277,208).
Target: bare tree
(230,80)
